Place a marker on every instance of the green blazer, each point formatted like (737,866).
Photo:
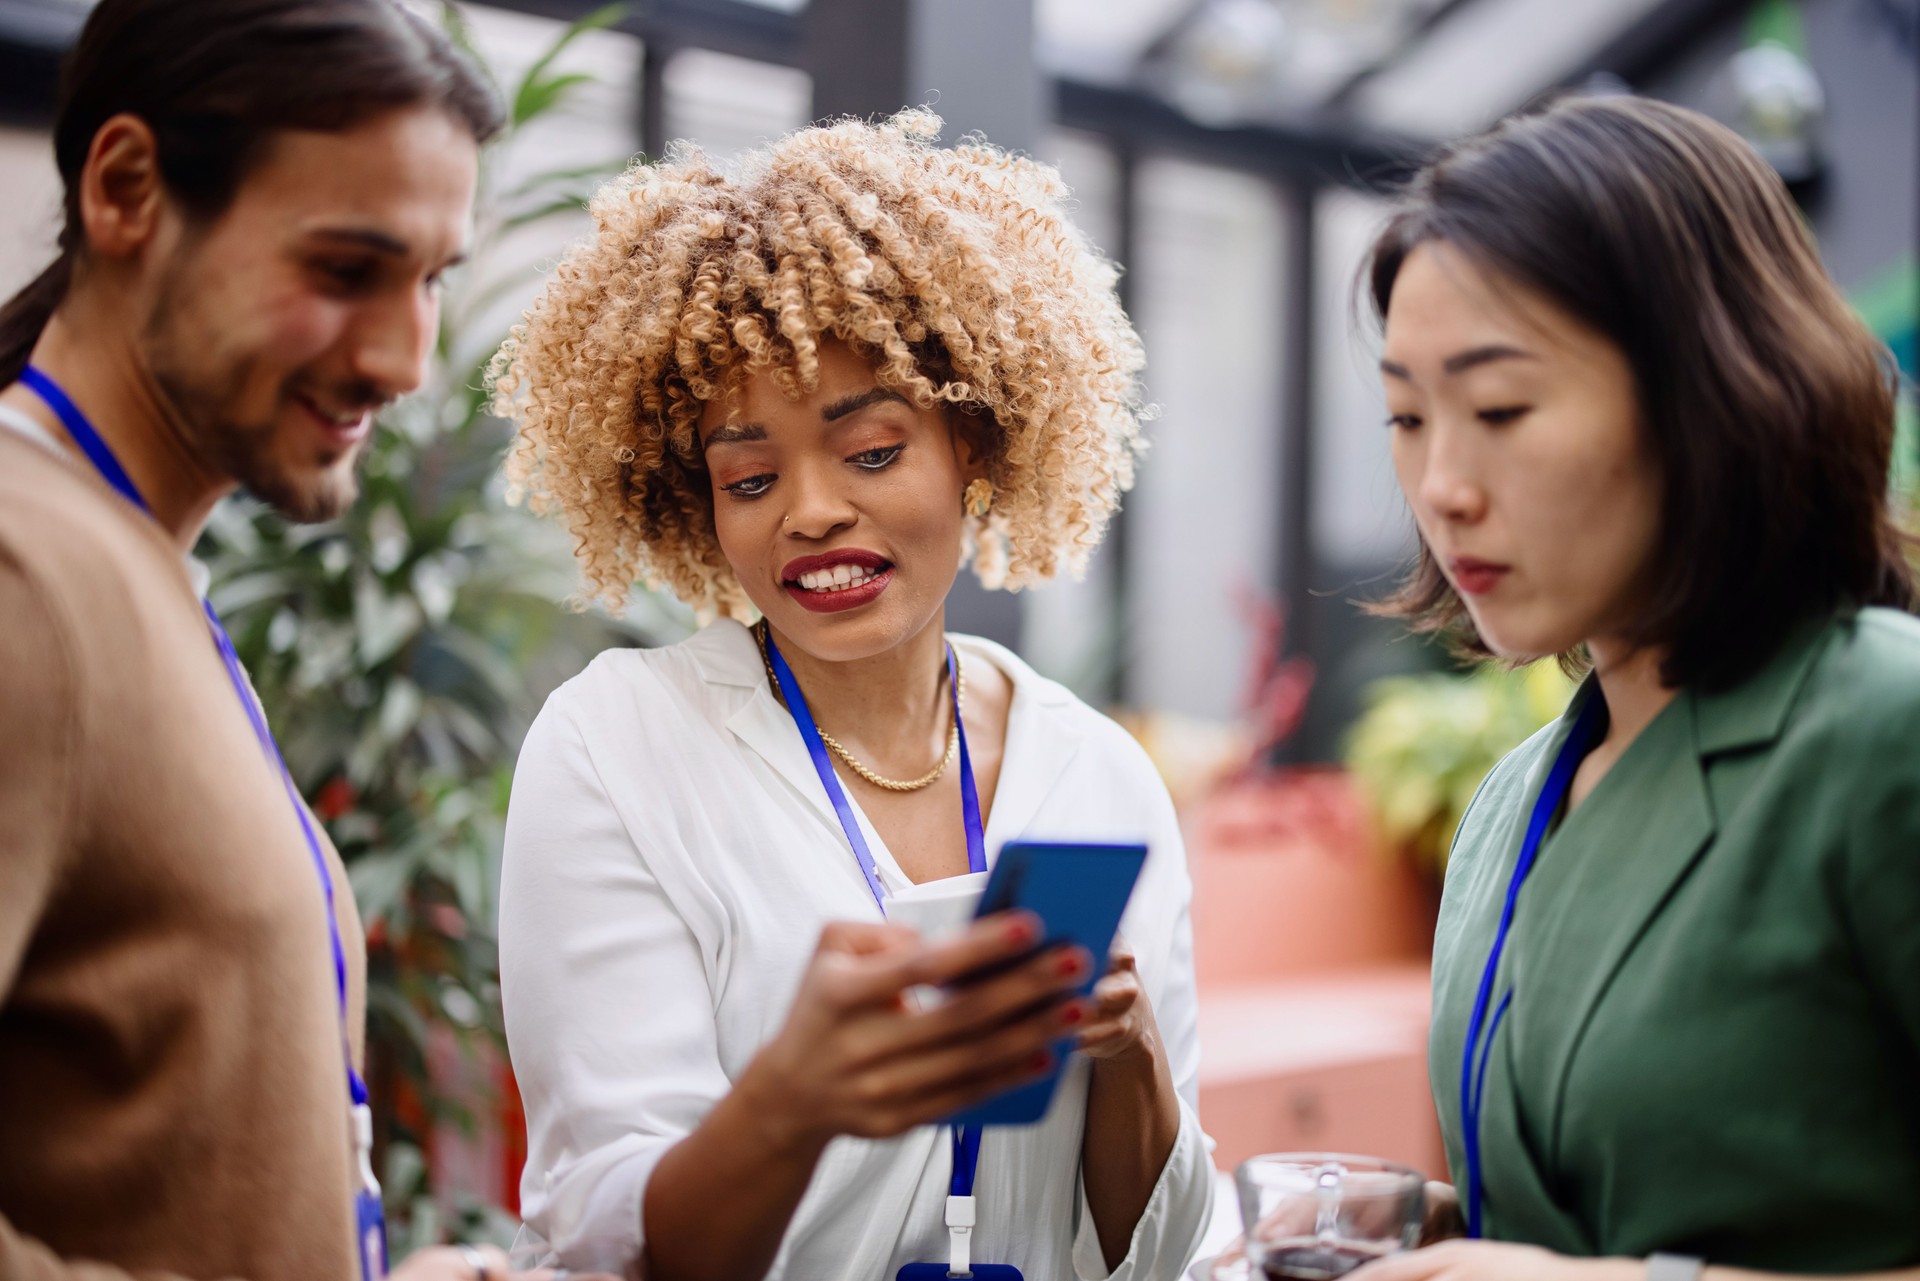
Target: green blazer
(1714,1042)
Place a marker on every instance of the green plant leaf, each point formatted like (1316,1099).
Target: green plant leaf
(541,96)
(530,99)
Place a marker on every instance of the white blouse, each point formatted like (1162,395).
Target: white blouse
(670,860)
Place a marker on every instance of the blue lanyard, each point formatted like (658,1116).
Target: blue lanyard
(966,1140)
(103,460)
(1473,1076)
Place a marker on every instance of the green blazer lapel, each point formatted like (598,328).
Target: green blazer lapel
(1520,1203)
(1602,878)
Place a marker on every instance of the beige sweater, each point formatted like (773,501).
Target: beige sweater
(172,1097)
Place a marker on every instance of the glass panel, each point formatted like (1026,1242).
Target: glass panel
(1360,522)
(1209,292)
(1068,630)
(728,104)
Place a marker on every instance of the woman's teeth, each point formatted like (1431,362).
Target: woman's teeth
(839,578)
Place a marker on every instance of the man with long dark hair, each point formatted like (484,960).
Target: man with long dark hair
(260,198)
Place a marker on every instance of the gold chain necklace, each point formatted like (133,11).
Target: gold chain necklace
(833,744)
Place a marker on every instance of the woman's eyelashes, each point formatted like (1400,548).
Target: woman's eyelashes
(877,459)
(1500,416)
(750,486)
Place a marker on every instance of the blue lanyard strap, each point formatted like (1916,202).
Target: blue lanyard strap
(84,435)
(966,1139)
(102,457)
(966,1160)
(1473,1075)
(843,808)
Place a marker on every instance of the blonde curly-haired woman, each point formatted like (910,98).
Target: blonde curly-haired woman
(799,396)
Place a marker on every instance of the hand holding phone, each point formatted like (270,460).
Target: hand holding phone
(1079,892)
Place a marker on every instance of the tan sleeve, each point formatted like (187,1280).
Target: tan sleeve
(40,736)
(39,732)
(24,1259)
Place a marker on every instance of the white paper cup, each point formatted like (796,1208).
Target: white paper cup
(938,910)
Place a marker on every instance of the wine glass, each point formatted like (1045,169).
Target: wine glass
(1313,1216)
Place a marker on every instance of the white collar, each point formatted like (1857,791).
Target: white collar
(26,425)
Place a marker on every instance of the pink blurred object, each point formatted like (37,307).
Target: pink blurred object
(1312,951)
(1288,879)
(1335,1063)
(1275,699)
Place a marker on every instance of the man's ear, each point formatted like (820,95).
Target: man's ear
(122,194)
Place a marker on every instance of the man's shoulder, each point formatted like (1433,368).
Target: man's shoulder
(79,545)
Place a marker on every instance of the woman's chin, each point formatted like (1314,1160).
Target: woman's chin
(848,636)
(1513,641)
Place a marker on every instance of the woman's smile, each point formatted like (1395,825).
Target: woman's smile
(837,580)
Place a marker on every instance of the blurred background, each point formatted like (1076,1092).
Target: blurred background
(1234,156)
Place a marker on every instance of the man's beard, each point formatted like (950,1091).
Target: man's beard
(245,452)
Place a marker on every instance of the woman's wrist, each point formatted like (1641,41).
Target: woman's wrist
(1141,1058)
(769,1108)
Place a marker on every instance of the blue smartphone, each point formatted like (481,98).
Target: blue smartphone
(1079,893)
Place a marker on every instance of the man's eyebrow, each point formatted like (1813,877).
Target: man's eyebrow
(365,238)
(1484,355)
(732,434)
(381,243)
(1392,370)
(859,400)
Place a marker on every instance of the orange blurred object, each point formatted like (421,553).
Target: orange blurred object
(1312,949)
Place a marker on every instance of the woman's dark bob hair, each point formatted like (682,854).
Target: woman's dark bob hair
(1766,402)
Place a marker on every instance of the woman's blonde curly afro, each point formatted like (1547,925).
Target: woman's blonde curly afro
(957,271)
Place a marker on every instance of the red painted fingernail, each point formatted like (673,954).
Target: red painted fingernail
(1021,930)
(1072,1014)
(1073,965)
(1040,1062)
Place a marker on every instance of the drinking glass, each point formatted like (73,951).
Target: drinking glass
(1312,1216)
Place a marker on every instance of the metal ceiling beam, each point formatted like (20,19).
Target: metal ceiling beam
(1328,155)
(724,26)
(1657,41)
(1342,97)
(1332,157)
(34,33)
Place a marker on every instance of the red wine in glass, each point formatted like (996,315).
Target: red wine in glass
(1315,1262)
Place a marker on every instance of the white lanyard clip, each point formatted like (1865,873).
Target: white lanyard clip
(960,1219)
(363,1148)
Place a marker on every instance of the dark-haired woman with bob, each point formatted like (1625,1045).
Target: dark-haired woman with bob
(1676,1022)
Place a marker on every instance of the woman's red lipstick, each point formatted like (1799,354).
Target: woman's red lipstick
(816,582)
(1476,577)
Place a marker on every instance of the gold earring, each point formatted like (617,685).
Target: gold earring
(978,500)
